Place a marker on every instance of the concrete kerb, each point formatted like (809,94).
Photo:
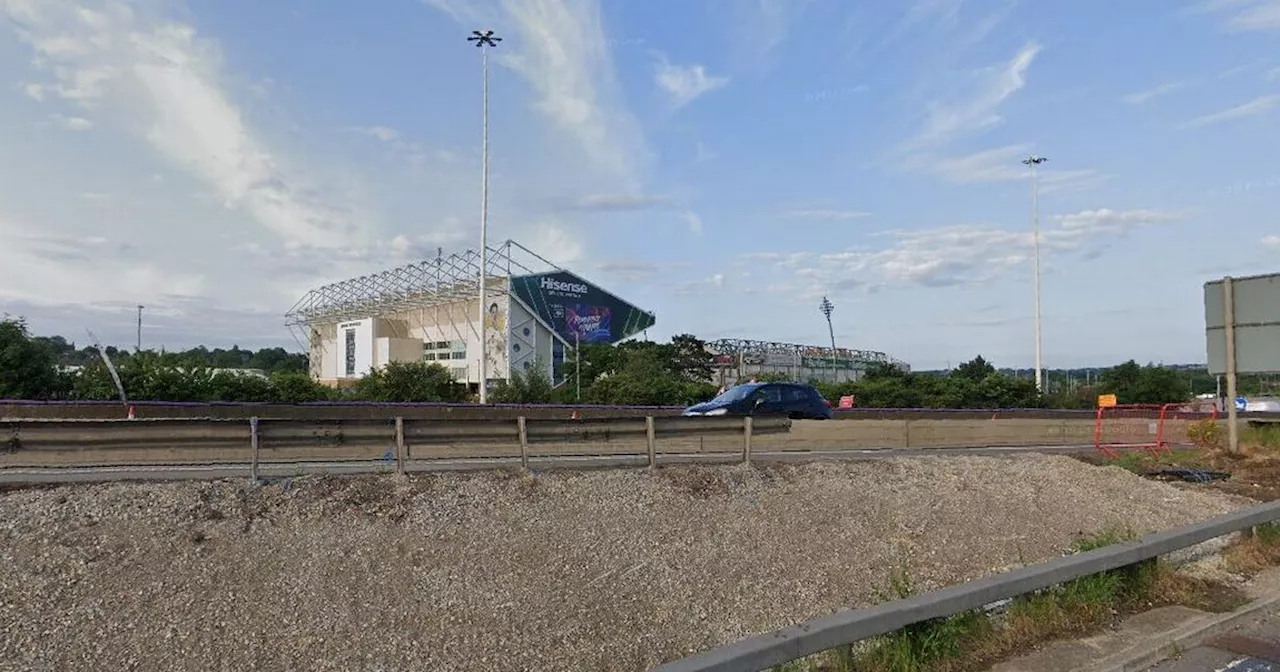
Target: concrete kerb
(1145,639)
(1153,650)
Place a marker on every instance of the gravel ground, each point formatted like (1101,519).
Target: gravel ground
(604,570)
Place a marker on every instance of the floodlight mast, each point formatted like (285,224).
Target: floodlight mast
(826,307)
(483,41)
(1033,162)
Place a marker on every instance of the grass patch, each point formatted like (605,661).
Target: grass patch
(1142,463)
(974,640)
(1252,553)
(1265,436)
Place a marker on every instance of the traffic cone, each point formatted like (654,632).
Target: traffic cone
(132,416)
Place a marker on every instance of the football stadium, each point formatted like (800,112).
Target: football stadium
(428,310)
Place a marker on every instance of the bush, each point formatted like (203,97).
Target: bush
(531,386)
(411,382)
(1206,433)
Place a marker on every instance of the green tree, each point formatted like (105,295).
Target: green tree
(976,369)
(643,380)
(1134,384)
(28,367)
(411,382)
(225,386)
(297,388)
(530,386)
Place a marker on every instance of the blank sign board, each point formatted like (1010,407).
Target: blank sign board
(1257,321)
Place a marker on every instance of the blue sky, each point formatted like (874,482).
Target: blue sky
(724,163)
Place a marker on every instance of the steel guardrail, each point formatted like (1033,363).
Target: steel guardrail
(226,443)
(780,646)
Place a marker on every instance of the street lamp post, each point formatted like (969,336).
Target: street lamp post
(483,41)
(1033,162)
(137,349)
(826,307)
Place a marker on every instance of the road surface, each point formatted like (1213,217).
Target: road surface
(1252,647)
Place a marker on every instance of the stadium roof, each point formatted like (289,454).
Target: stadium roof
(445,279)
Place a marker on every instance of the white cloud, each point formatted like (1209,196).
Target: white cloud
(693,220)
(614,203)
(560,49)
(944,11)
(825,214)
(383,133)
(1243,15)
(162,81)
(556,243)
(1141,97)
(703,286)
(1002,164)
(685,83)
(952,255)
(1252,108)
(1271,241)
(90,271)
(759,27)
(979,109)
(72,123)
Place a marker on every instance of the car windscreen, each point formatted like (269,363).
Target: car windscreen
(736,394)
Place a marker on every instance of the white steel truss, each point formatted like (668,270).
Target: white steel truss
(434,282)
(734,346)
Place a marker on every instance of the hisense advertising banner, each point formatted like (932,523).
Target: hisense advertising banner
(579,311)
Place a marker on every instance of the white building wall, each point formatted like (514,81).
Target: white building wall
(446,335)
(396,350)
(528,341)
(353,351)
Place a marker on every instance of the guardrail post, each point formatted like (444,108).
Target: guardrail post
(522,429)
(746,440)
(400,448)
(253,446)
(650,436)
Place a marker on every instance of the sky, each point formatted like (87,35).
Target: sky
(723,163)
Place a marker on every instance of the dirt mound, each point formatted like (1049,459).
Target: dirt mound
(616,569)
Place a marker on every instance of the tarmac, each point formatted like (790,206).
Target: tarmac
(1175,639)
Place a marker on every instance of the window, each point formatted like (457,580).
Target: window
(442,345)
(798,395)
(456,355)
(459,373)
(351,352)
(773,394)
(429,357)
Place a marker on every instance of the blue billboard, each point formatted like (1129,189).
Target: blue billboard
(579,311)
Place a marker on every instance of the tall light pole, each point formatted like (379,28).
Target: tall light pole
(138,348)
(484,40)
(1033,162)
(826,307)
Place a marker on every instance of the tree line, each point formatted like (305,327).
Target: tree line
(641,373)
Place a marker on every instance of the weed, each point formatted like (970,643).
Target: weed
(1108,537)
(974,640)
(1262,435)
(1252,553)
(1206,433)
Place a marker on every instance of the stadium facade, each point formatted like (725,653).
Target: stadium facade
(737,360)
(428,311)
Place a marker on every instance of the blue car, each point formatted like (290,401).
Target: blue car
(798,402)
